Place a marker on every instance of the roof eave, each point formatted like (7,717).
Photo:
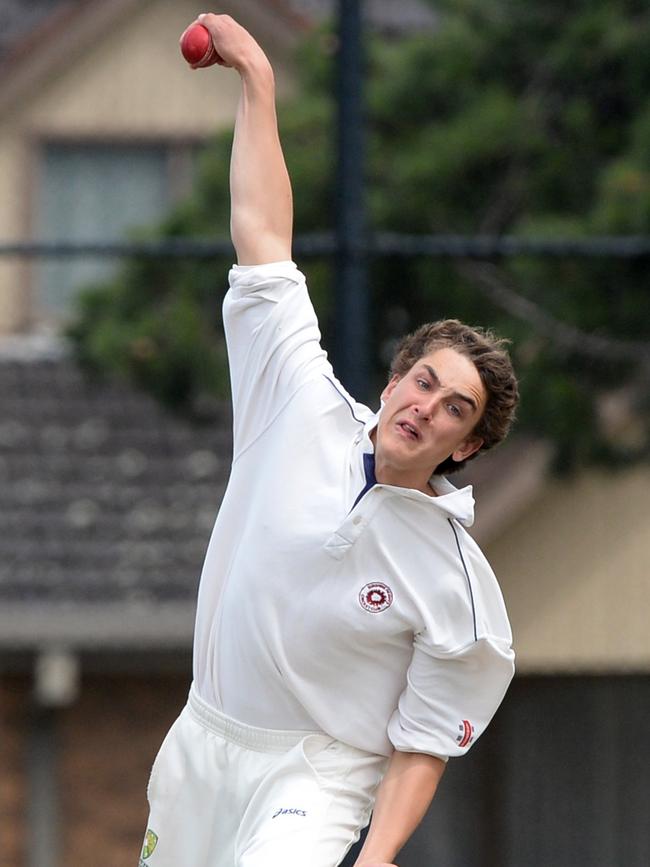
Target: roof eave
(80,627)
(74,28)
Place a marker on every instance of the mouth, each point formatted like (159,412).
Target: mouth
(408,430)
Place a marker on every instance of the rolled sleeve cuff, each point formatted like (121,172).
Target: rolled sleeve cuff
(245,279)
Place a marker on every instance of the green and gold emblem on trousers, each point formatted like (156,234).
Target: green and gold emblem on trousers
(150,840)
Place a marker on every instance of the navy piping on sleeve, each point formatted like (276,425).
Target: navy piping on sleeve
(469,582)
(338,390)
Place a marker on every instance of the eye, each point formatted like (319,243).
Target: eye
(455,410)
(423,383)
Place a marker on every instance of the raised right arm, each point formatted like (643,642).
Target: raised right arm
(261,203)
(270,325)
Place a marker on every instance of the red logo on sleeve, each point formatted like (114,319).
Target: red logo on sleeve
(466,733)
(376,596)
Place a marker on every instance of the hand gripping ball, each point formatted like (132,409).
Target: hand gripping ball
(197,47)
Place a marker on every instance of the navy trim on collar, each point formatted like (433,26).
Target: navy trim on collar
(369,469)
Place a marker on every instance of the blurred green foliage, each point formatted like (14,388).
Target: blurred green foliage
(513,117)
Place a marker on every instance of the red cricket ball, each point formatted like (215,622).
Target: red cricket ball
(197,47)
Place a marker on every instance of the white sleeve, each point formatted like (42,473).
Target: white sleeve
(273,344)
(450,697)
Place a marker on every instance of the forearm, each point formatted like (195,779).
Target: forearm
(402,800)
(260,190)
(261,206)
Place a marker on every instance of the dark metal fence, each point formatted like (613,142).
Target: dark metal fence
(377,244)
(475,255)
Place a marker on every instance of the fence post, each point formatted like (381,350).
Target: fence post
(351,337)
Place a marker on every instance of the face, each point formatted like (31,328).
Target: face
(428,415)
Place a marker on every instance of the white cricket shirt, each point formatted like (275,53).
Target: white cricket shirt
(327,601)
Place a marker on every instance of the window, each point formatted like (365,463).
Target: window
(100,192)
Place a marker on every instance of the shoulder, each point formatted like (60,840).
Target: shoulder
(322,403)
(447,575)
(488,606)
(359,412)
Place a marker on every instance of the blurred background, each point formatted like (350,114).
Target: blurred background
(481,159)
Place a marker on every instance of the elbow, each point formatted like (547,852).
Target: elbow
(257,244)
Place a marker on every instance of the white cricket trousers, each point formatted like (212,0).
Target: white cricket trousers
(225,794)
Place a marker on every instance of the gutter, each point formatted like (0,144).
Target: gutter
(146,626)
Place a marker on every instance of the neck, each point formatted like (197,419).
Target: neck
(388,474)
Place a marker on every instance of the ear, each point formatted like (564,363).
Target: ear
(467,448)
(392,382)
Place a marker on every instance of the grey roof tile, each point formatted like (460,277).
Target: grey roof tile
(18,18)
(104,496)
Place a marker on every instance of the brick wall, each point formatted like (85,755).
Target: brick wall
(106,743)
(108,740)
(13,725)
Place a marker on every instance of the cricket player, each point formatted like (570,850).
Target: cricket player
(350,635)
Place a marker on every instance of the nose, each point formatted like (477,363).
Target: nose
(427,407)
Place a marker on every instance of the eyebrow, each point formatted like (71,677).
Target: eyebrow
(434,376)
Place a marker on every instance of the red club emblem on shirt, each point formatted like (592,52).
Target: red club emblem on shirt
(376,596)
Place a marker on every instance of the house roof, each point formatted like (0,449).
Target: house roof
(62,30)
(39,39)
(19,20)
(106,505)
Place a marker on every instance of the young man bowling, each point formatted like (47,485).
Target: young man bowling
(350,635)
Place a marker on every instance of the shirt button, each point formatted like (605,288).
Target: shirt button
(357,519)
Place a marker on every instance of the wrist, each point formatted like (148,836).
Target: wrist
(256,70)
(375,856)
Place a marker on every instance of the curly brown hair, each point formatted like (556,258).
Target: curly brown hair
(489,355)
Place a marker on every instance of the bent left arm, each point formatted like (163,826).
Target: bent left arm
(403,798)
